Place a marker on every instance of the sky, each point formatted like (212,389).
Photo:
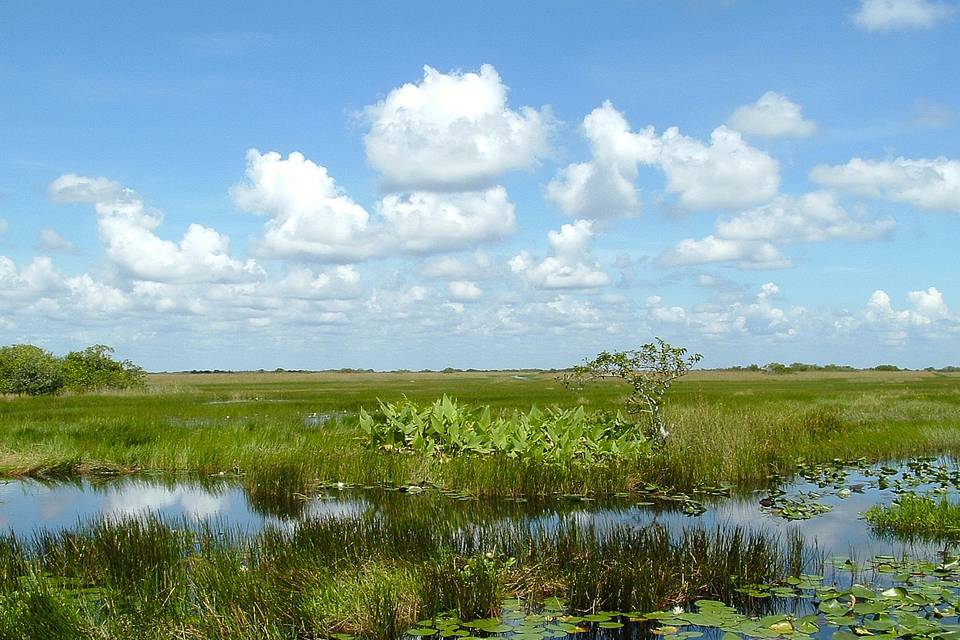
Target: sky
(489,185)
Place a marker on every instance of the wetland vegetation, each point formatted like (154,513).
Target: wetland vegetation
(511,560)
(920,516)
(733,428)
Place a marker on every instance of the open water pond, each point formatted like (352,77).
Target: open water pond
(824,505)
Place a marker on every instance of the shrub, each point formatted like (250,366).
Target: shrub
(94,369)
(649,370)
(29,370)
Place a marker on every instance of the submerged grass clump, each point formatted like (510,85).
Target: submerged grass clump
(917,516)
(370,577)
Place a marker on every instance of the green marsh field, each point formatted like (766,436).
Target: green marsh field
(727,427)
(714,531)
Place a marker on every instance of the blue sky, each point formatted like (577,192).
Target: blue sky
(489,185)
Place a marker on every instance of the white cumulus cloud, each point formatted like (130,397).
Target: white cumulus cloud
(929,317)
(749,254)
(932,184)
(464,290)
(50,240)
(310,218)
(96,297)
(452,131)
(422,222)
(339,283)
(812,217)
(754,316)
(726,172)
(570,266)
(604,187)
(126,229)
(750,239)
(773,115)
(451,268)
(37,279)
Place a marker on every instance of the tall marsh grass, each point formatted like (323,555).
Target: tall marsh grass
(369,576)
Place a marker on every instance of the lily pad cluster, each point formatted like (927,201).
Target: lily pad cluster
(515,621)
(842,478)
(915,599)
(920,599)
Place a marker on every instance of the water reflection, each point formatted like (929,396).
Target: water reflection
(26,506)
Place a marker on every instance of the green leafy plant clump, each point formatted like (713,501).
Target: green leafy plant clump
(917,516)
(552,435)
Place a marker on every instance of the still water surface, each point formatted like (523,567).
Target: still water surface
(27,505)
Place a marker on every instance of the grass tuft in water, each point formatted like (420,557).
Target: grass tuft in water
(917,516)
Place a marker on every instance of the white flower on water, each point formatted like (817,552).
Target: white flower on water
(677,610)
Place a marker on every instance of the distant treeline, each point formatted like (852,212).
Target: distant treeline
(796,367)
(349,370)
(772,367)
(26,369)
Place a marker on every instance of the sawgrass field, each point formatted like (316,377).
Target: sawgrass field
(301,428)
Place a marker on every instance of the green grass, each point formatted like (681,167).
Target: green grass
(917,516)
(369,576)
(726,427)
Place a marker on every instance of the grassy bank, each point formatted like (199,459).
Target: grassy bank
(273,428)
(368,577)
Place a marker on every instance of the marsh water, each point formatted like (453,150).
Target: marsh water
(29,505)
(237,504)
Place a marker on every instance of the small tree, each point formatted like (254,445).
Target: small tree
(27,369)
(649,370)
(94,369)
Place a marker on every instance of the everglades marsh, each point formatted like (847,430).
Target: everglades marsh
(380,320)
(327,505)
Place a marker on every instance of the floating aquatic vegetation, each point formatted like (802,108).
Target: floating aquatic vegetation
(842,478)
(915,599)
